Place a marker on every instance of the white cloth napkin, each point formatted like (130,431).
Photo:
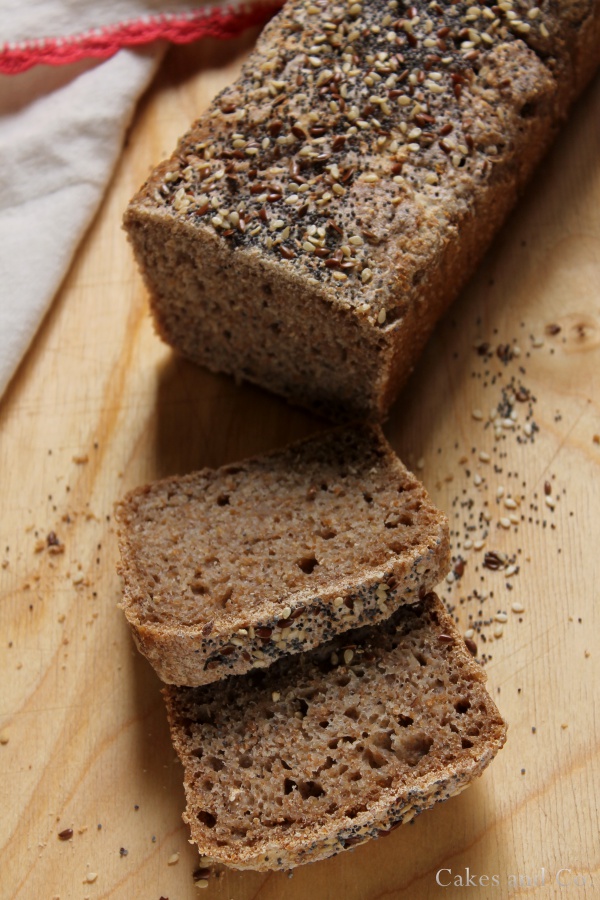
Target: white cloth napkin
(61,132)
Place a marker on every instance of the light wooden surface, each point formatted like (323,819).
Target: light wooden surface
(100,405)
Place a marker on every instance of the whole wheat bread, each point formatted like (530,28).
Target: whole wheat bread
(334,746)
(314,223)
(229,569)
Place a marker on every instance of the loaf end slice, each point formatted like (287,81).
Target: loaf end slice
(331,747)
(227,570)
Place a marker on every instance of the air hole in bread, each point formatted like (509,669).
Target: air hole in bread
(327,533)
(215,763)
(224,598)
(385,782)
(207,818)
(528,110)
(245,761)
(354,811)
(324,723)
(368,497)
(310,789)
(198,752)
(413,749)
(374,759)
(308,564)
(405,721)
(397,546)
(352,713)
(420,658)
(382,740)
(288,786)
(223,500)
(355,776)
(198,588)
(343,680)
(466,743)
(303,707)
(204,715)
(462,706)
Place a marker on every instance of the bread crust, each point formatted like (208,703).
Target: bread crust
(317,835)
(423,187)
(195,654)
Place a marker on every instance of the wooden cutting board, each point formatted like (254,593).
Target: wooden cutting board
(101,405)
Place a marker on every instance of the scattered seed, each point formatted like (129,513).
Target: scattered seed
(173,859)
(517,607)
(471,646)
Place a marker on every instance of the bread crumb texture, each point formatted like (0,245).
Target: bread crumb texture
(225,570)
(329,748)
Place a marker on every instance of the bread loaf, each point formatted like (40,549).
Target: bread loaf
(225,570)
(314,223)
(334,746)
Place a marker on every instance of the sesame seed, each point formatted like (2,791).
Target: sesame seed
(504,522)
(477,414)
(381,316)
(517,607)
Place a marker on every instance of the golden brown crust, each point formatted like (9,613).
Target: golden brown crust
(313,224)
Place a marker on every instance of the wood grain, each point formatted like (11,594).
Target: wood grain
(100,405)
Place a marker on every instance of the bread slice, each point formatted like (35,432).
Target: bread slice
(314,223)
(334,746)
(229,569)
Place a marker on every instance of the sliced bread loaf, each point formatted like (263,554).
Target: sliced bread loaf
(227,570)
(331,747)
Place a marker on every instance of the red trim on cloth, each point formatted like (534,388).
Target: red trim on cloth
(215,22)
